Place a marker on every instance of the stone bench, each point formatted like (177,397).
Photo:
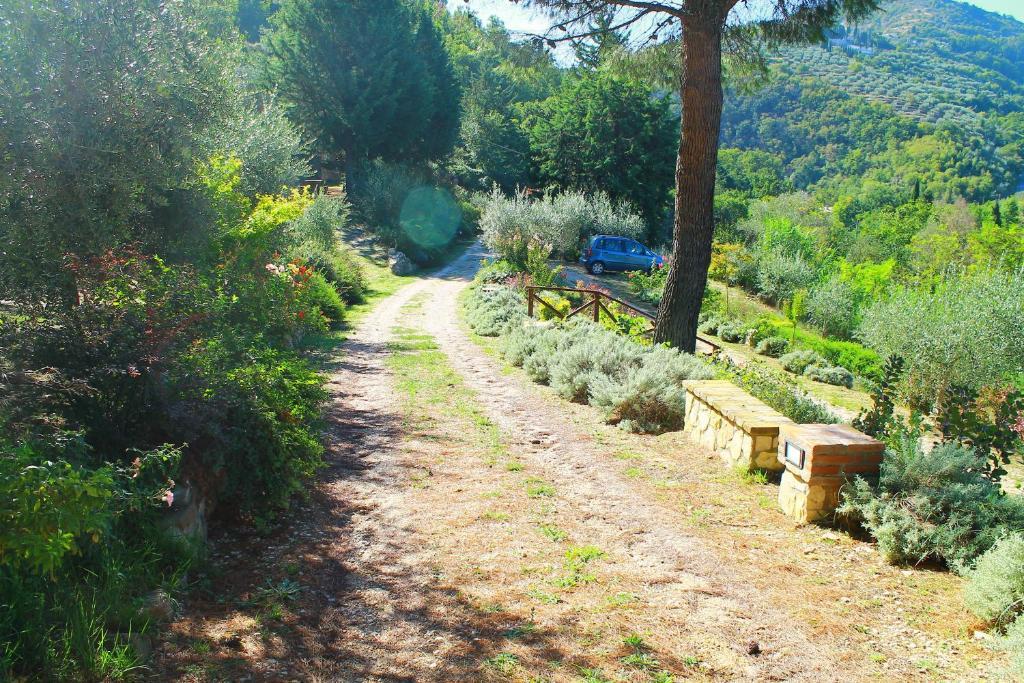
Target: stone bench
(744,431)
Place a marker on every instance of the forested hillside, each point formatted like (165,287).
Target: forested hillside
(928,91)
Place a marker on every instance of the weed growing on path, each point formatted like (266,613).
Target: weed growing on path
(553,532)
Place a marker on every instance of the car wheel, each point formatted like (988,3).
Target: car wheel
(596,268)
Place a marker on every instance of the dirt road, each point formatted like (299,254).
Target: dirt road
(471,526)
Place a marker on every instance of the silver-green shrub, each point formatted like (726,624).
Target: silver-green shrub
(597,353)
(642,401)
(494,310)
(780,274)
(773,347)
(271,150)
(832,306)
(559,221)
(798,361)
(995,587)
(1013,642)
(933,506)
(638,387)
(710,325)
(676,366)
(828,374)
(733,331)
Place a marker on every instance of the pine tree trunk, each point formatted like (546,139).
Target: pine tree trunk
(701,95)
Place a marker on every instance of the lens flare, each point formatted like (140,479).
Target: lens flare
(430,217)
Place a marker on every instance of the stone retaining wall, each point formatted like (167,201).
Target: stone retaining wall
(744,431)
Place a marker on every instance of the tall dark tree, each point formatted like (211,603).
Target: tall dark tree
(997,214)
(369,78)
(497,76)
(702,28)
(604,132)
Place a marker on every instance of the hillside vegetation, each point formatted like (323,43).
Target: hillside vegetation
(928,91)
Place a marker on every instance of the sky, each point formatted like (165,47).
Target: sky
(519,19)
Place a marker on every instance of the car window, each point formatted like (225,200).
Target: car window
(614,245)
(599,244)
(635,248)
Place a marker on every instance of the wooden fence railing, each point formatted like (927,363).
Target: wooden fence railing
(594,307)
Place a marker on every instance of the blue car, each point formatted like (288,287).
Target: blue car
(609,252)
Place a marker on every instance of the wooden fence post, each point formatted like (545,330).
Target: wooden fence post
(529,302)
(597,307)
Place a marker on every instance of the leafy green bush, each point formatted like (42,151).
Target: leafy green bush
(79,546)
(322,295)
(492,272)
(733,331)
(772,347)
(346,274)
(779,391)
(995,587)
(262,424)
(964,332)
(780,274)
(932,506)
(320,223)
(493,309)
(377,190)
(48,507)
(828,374)
(648,286)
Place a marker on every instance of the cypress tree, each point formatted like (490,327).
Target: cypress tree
(368,78)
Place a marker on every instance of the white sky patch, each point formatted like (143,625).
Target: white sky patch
(520,19)
(515,17)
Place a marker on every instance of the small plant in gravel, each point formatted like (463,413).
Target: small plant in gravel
(503,662)
(577,559)
(553,532)
(536,488)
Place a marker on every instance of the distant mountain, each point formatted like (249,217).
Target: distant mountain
(953,69)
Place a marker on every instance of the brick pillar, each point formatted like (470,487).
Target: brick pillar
(818,459)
